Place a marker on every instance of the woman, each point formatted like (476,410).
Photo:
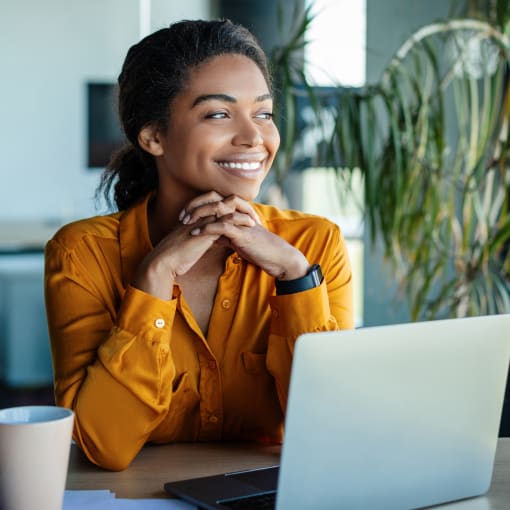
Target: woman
(175,318)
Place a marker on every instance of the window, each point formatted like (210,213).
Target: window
(336,50)
(335,56)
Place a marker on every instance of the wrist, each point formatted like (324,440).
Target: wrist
(294,269)
(313,278)
(155,278)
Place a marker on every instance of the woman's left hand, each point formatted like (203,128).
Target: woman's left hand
(254,243)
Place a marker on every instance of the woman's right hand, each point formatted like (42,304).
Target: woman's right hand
(179,251)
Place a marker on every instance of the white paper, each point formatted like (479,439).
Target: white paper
(153,504)
(88,500)
(106,500)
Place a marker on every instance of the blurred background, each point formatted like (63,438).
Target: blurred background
(59,62)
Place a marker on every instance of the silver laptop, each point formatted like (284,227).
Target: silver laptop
(391,417)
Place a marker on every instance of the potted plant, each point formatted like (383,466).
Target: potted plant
(431,140)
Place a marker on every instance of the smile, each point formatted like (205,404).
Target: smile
(249,165)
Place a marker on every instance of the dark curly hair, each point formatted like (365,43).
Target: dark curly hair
(154,72)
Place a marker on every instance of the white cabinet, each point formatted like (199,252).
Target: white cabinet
(25,356)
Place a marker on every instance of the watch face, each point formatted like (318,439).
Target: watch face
(316,274)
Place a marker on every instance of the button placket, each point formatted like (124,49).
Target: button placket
(211,403)
(223,313)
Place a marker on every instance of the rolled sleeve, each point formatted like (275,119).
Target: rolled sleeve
(294,314)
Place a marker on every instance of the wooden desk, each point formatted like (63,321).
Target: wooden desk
(156,465)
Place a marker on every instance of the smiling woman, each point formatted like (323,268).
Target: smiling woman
(174,319)
(221,135)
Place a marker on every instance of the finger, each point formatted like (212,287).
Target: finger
(238,219)
(222,208)
(229,226)
(215,209)
(201,223)
(242,206)
(206,198)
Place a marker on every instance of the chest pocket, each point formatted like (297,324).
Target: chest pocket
(262,415)
(254,363)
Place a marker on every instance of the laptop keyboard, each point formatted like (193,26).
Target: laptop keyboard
(266,501)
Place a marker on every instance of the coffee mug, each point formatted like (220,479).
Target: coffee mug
(35,443)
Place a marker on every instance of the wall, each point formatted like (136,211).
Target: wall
(48,51)
(260,17)
(389,24)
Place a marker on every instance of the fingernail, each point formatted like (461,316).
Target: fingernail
(181,214)
(186,219)
(195,231)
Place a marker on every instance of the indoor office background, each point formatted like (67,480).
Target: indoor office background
(56,56)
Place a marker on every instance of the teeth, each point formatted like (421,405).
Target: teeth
(240,166)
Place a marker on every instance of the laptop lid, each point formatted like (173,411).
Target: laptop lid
(388,417)
(391,417)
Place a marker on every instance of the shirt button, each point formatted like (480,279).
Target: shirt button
(276,314)
(213,419)
(226,304)
(212,364)
(159,323)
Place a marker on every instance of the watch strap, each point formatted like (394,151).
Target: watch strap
(313,278)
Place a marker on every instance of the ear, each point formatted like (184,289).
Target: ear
(149,139)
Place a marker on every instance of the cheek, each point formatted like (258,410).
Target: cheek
(208,139)
(195,147)
(277,138)
(272,137)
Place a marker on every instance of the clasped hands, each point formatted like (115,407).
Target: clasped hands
(229,221)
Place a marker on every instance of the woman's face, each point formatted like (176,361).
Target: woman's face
(221,135)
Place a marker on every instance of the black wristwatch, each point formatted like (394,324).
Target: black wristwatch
(311,279)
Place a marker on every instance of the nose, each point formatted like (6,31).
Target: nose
(247,134)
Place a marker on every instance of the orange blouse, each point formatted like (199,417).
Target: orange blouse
(136,368)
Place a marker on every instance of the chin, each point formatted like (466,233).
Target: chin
(249,197)
(244,192)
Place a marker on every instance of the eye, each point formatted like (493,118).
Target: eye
(264,115)
(217,115)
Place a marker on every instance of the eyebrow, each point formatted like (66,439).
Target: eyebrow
(226,98)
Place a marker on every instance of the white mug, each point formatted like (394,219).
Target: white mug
(35,443)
